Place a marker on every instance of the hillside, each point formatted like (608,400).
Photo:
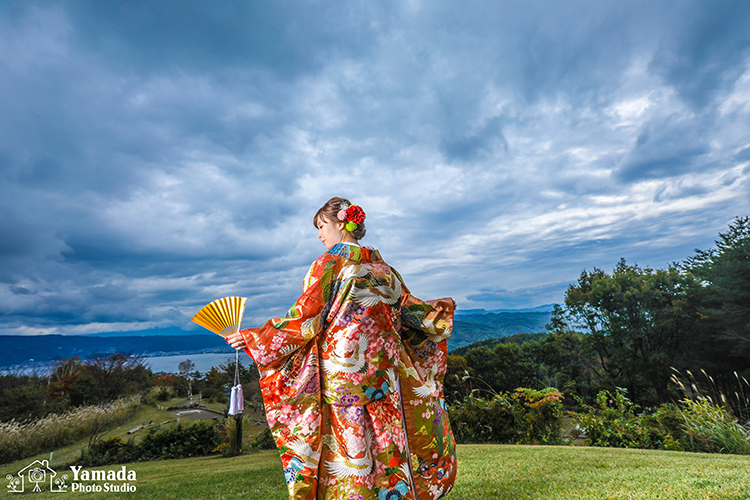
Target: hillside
(518,338)
(474,326)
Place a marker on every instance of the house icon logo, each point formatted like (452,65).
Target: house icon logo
(37,473)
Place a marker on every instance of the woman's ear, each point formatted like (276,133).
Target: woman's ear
(341,225)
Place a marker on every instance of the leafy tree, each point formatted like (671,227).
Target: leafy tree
(62,376)
(504,368)
(186,369)
(71,383)
(26,400)
(569,364)
(105,378)
(638,322)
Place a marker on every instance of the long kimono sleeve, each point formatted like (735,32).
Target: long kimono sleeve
(425,328)
(432,318)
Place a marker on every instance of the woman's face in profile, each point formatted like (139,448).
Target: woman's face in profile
(329,232)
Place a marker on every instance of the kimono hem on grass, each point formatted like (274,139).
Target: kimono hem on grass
(352,384)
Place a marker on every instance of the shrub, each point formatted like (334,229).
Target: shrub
(479,420)
(109,451)
(613,422)
(211,394)
(696,425)
(669,417)
(540,416)
(263,441)
(527,416)
(231,443)
(198,439)
(180,441)
(164,394)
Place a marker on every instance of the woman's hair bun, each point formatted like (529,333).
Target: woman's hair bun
(330,212)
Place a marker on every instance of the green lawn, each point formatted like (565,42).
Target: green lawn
(548,472)
(485,472)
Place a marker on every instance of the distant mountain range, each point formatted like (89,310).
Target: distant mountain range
(170,331)
(546,308)
(35,350)
(475,325)
(470,326)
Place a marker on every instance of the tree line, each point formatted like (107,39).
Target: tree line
(635,328)
(72,382)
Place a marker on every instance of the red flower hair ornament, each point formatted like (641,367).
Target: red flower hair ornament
(353,215)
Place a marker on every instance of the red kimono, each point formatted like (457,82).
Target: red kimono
(352,384)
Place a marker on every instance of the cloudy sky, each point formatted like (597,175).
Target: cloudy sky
(157,155)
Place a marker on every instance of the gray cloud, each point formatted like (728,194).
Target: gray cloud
(666,148)
(154,157)
(705,50)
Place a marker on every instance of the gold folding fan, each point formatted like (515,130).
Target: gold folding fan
(222,316)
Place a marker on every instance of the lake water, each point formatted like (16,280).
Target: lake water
(203,362)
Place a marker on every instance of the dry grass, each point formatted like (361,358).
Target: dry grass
(20,440)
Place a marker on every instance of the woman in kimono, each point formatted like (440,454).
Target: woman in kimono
(352,377)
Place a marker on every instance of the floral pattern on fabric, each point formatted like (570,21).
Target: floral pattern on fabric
(352,384)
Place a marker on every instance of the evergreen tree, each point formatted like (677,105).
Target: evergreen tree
(725,273)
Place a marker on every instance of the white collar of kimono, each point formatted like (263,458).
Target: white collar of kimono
(350,243)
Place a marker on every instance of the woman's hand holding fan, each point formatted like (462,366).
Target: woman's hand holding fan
(237,341)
